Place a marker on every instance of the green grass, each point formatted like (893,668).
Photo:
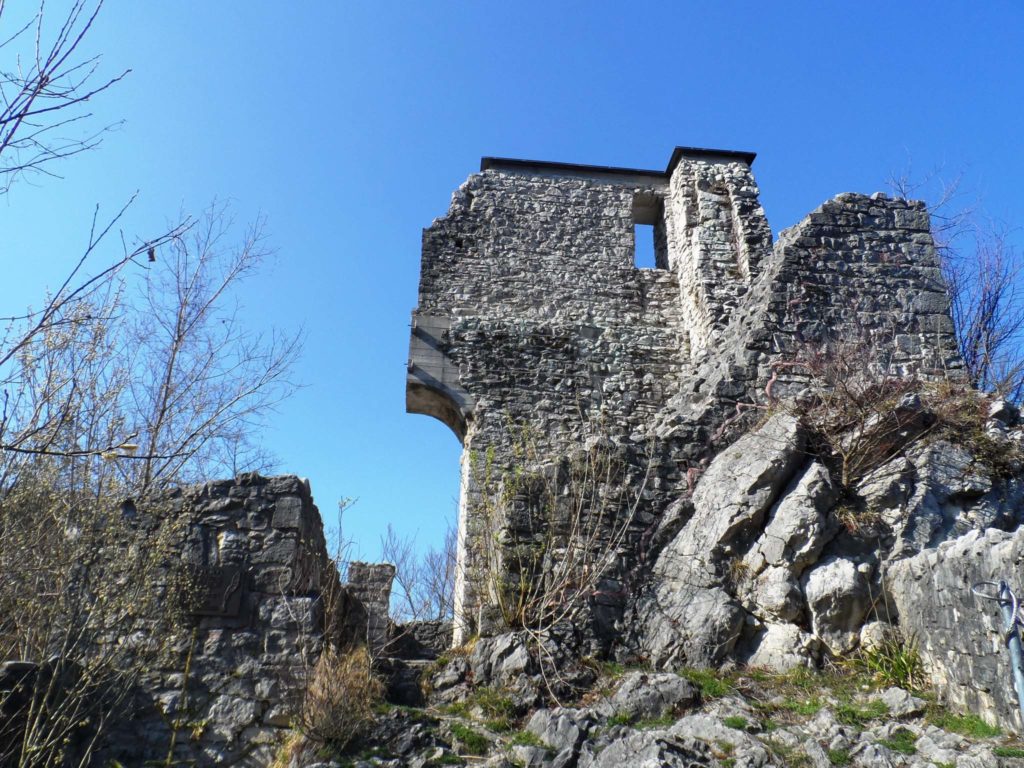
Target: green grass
(474,743)
(802,707)
(498,709)
(1008,752)
(456,708)
(849,713)
(737,722)
(526,739)
(790,757)
(655,722)
(894,662)
(965,725)
(839,757)
(712,685)
(901,741)
(621,718)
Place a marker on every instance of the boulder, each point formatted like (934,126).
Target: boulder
(799,526)
(783,647)
(642,695)
(560,729)
(838,599)
(649,749)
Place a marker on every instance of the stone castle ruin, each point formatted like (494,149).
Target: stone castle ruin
(532,311)
(533,317)
(651,475)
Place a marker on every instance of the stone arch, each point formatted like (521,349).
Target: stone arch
(433,387)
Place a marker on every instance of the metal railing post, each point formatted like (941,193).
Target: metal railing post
(1008,607)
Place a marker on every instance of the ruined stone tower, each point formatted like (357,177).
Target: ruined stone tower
(532,310)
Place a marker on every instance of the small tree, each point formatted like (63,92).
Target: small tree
(424,587)
(130,377)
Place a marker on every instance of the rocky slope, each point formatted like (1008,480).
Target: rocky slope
(646,719)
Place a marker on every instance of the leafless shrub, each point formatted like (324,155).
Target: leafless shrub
(862,415)
(88,437)
(340,699)
(554,528)
(133,375)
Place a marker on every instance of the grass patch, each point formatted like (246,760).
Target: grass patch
(850,713)
(620,718)
(526,739)
(802,707)
(712,685)
(655,722)
(902,741)
(498,709)
(895,661)
(966,725)
(1017,752)
(790,757)
(839,757)
(456,709)
(737,722)
(473,743)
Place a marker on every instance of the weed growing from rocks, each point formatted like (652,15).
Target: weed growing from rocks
(737,722)
(839,757)
(649,723)
(893,661)
(966,725)
(902,741)
(789,756)
(849,713)
(526,739)
(472,742)
(712,684)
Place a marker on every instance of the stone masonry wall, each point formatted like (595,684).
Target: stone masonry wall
(228,684)
(532,312)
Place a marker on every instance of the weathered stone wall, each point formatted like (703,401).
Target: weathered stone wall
(229,681)
(531,311)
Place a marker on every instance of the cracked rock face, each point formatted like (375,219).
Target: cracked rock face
(838,599)
(690,618)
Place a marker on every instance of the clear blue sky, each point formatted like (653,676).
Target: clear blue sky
(350,124)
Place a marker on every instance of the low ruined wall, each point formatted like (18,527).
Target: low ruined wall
(228,685)
(958,633)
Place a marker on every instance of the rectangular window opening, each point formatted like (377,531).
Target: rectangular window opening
(649,232)
(643,246)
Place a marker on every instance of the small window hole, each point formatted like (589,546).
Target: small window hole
(643,246)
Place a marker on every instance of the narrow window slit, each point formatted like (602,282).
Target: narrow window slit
(648,232)
(643,248)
